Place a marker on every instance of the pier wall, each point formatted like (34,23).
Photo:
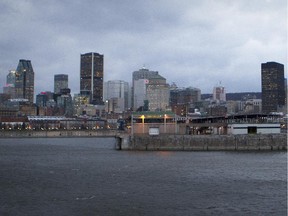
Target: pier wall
(169,142)
(59,133)
(206,142)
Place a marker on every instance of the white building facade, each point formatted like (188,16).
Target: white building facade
(116,94)
(219,93)
(254,128)
(150,91)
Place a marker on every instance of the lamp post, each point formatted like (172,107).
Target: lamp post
(143,129)
(175,124)
(132,129)
(165,116)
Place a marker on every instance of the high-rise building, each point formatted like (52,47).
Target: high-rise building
(157,94)
(65,103)
(139,80)
(24,80)
(10,90)
(219,93)
(273,89)
(118,90)
(43,97)
(91,77)
(181,99)
(10,79)
(150,91)
(60,82)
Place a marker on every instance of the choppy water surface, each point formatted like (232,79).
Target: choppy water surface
(86,176)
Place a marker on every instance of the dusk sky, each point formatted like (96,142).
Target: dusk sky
(189,42)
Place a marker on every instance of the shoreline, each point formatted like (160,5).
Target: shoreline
(167,142)
(59,133)
(255,142)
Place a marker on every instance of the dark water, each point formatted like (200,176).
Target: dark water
(86,176)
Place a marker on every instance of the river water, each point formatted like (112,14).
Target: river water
(86,176)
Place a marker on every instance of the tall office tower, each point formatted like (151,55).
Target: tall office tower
(149,90)
(60,82)
(157,94)
(24,80)
(219,93)
(10,79)
(139,80)
(118,90)
(273,89)
(9,88)
(91,77)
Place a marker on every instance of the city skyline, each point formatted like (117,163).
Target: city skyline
(212,92)
(172,37)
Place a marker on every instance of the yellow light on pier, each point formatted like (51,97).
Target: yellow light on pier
(143,129)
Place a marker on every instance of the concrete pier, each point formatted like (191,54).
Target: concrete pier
(205,142)
(59,133)
(169,142)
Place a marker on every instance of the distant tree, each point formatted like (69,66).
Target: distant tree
(146,105)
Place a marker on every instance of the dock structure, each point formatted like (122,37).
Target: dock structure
(258,142)
(169,123)
(165,131)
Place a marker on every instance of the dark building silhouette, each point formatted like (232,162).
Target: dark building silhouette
(24,80)
(60,82)
(273,90)
(41,99)
(181,99)
(238,96)
(91,77)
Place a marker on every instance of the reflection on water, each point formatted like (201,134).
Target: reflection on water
(86,176)
(164,153)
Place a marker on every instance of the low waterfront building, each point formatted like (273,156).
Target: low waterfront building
(233,124)
(142,122)
(254,128)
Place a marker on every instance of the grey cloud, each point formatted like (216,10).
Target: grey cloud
(194,43)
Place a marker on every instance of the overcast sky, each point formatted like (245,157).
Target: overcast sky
(194,43)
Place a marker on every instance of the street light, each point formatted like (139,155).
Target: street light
(165,116)
(143,117)
(175,124)
(132,129)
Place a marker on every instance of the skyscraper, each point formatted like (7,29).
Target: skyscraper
(273,90)
(219,93)
(157,94)
(151,89)
(24,80)
(10,79)
(91,77)
(9,88)
(60,82)
(119,91)
(139,80)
